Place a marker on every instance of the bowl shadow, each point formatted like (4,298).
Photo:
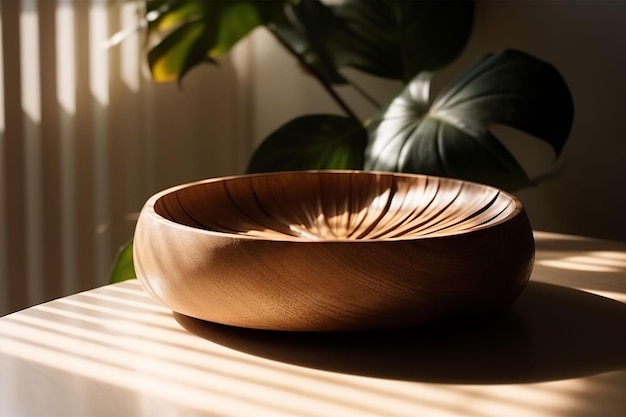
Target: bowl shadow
(549,333)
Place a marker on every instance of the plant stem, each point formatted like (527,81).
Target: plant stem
(329,89)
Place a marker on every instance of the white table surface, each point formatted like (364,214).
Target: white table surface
(559,351)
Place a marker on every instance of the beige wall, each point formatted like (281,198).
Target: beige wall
(586,40)
(86,137)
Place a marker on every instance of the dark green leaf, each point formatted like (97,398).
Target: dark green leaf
(512,88)
(312,142)
(399,39)
(392,38)
(123,268)
(306,27)
(452,137)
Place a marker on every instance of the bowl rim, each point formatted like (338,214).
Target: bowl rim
(149,209)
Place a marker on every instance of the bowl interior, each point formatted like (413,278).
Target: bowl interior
(337,205)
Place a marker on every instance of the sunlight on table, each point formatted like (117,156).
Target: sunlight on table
(113,351)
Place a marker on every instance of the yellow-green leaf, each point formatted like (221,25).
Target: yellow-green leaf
(123,267)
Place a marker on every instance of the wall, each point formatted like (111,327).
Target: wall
(86,137)
(584,40)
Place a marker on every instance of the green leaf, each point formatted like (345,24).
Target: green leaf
(393,38)
(192,32)
(312,142)
(164,15)
(305,28)
(452,138)
(123,268)
(183,49)
(398,39)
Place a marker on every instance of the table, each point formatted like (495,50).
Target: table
(560,350)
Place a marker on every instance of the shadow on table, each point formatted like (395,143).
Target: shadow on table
(550,333)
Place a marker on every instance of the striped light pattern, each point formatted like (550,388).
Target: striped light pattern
(86,137)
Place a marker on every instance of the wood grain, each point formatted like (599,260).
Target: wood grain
(333,250)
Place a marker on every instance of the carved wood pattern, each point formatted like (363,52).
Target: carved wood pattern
(333,250)
(332,205)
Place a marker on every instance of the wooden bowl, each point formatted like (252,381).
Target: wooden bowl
(333,250)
